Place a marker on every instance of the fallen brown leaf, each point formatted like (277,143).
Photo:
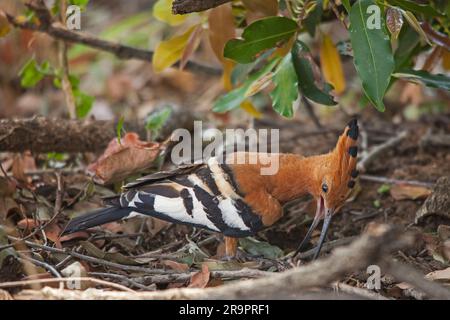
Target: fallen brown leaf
(405,192)
(21,164)
(122,160)
(439,274)
(200,279)
(182,267)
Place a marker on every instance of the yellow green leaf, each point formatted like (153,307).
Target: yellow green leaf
(412,20)
(170,51)
(331,65)
(162,10)
(228,66)
(248,107)
(4,26)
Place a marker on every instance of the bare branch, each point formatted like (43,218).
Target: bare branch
(40,134)
(59,32)
(188,6)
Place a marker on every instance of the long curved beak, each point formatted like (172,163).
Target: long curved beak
(327,214)
(323,234)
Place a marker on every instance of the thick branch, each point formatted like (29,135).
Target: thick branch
(58,31)
(188,6)
(41,135)
(370,248)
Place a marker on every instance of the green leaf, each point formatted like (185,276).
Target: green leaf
(416,7)
(235,97)
(372,53)
(83,103)
(384,189)
(408,42)
(259,248)
(260,35)
(156,120)
(119,129)
(32,73)
(347,5)
(286,87)
(305,76)
(241,71)
(439,81)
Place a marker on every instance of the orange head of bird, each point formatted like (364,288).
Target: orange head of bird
(334,177)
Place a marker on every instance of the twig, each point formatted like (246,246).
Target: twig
(368,249)
(59,32)
(64,65)
(407,274)
(438,38)
(43,265)
(371,178)
(364,293)
(311,113)
(189,6)
(378,150)
(93,259)
(58,205)
(119,277)
(72,279)
(328,246)
(221,274)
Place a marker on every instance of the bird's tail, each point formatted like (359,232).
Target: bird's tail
(96,218)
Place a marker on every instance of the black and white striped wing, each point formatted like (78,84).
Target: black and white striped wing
(205,196)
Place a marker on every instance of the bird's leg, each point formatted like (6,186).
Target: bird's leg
(230,247)
(323,234)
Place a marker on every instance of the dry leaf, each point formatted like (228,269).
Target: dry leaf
(5,28)
(330,61)
(7,187)
(122,160)
(394,21)
(412,93)
(76,235)
(162,10)
(221,29)
(4,295)
(181,267)
(192,45)
(7,207)
(27,224)
(406,192)
(21,164)
(446,60)
(170,51)
(155,225)
(439,274)
(248,107)
(266,7)
(200,279)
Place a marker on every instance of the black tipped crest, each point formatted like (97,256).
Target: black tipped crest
(354,173)
(353,151)
(351,184)
(353,131)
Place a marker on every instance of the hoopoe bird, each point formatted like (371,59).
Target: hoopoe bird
(235,199)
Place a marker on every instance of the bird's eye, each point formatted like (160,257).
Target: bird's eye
(324,188)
